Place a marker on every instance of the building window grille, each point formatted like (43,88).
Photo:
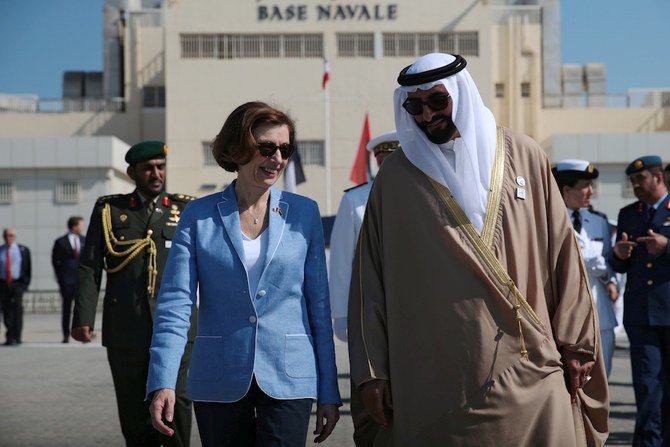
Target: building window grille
(465,43)
(245,46)
(207,154)
(67,191)
(355,44)
(500,90)
(153,97)
(6,190)
(312,152)
(525,89)
(665,99)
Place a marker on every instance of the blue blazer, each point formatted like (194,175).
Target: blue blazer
(647,296)
(282,334)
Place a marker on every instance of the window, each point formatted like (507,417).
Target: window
(153,97)
(465,43)
(312,152)
(500,90)
(355,45)
(207,154)
(240,46)
(67,191)
(525,89)
(6,190)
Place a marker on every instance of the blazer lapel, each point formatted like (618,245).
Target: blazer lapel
(230,216)
(278,214)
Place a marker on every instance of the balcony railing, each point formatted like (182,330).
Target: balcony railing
(33,104)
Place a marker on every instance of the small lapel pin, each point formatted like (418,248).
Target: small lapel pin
(123,217)
(278,211)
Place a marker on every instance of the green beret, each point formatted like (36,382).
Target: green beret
(642,163)
(146,150)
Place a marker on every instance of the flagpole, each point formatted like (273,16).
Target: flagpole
(326,105)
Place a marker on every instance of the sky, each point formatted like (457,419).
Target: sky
(40,39)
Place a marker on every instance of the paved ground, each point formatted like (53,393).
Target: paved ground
(61,395)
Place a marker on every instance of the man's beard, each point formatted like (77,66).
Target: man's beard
(440,134)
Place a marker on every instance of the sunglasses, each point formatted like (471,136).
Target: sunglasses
(435,102)
(268,149)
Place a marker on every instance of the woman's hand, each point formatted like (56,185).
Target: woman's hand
(331,414)
(162,404)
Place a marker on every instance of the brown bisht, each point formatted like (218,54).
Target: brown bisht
(469,328)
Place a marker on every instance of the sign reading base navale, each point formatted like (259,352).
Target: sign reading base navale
(332,12)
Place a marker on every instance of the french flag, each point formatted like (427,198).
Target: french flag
(326,74)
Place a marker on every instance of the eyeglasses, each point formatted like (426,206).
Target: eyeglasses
(268,149)
(435,102)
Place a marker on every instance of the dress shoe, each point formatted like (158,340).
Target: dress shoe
(66,340)
(9,343)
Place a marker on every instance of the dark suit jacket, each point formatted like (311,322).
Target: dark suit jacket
(647,296)
(127,320)
(64,262)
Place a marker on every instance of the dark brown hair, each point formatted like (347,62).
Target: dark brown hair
(73,221)
(235,144)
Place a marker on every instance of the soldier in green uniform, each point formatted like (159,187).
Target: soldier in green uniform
(129,237)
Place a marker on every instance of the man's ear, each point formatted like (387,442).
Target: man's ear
(130,170)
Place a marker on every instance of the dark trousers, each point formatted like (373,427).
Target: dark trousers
(67,294)
(11,298)
(130,368)
(650,361)
(255,420)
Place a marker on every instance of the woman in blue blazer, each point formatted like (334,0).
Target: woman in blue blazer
(264,348)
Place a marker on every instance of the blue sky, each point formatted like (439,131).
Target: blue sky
(40,39)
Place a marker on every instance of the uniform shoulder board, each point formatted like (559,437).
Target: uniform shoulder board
(354,187)
(181,197)
(105,199)
(598,213)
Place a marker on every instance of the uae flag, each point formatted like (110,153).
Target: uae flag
(359,173)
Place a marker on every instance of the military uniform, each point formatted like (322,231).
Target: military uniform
(131,242)
(647,319)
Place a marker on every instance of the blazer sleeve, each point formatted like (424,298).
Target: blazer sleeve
(318,309)
(176,299)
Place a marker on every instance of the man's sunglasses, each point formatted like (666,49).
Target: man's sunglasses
(435,102)
(268,149)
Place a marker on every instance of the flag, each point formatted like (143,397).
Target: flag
(294,174)
(359,172)
(326,74)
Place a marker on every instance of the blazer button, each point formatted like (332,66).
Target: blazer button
(650,282)
(252,319)
(261,292)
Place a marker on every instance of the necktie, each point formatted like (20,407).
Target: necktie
(576,221)
(150,206)
(76,246)
(8,266)
(652,211)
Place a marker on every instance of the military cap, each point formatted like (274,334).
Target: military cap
(386,142)
(642,163)
(146,150)
(575,168)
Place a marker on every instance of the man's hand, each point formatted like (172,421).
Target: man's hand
(162,404)
(578,368)
(612,291)
(656,242)
(624,248)
(331,414)
(83,334)
(376,397)
(340,328)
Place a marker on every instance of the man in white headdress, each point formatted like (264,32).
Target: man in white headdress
(470,316)
(342,247)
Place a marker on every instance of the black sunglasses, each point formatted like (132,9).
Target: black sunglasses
(435,102)
(268,149)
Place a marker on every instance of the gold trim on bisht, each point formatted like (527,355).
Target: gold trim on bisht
(495,190)
(484,249)
(136,246)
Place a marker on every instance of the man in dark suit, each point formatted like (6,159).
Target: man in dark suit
(129,236)
(643,253)
(15,272)
(65,260)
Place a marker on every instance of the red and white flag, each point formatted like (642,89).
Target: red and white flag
(326,74)
(359,172)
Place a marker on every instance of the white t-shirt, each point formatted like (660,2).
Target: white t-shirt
(255,251)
